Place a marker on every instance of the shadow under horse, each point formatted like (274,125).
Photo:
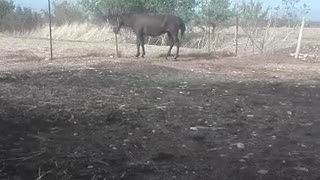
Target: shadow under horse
(152,25)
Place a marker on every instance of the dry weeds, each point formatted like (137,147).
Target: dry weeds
(195,38)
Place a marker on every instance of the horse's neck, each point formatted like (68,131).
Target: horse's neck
(129,21)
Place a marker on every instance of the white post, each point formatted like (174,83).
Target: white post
(50,29)
(299,40)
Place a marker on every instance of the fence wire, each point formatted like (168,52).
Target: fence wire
(236,36)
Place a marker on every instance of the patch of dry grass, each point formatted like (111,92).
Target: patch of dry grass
(195,39)
(202,54)
(74,31)
(20,56)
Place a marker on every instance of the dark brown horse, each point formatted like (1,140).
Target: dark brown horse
(152,25)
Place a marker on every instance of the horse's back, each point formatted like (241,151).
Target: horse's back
(157,24)
(158,18)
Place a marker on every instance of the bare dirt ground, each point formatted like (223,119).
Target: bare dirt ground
(96,117)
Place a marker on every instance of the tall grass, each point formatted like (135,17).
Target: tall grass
(74,31)
(94,33)
(195,37)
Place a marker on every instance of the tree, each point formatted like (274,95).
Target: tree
(5,7)
(158,6)
(216,10)
(292,11)
(252,13)
(112,7)
(21,19)
(186,9)
(66,12)
(252,18)
(183,8)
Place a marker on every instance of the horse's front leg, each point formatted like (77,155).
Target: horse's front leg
(142,45)
(138,46)
(178,43)
(171,45)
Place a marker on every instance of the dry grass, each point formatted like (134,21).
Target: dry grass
(28,53)
(24,47)
(278,38)
(204,55)
(195,38)
(92,33)
(75,32)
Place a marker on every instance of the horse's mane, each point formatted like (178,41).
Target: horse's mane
(138,13)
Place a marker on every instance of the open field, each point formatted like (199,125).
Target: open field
(86,115)
(196,37)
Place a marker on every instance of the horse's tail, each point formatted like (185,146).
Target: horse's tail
(183,29)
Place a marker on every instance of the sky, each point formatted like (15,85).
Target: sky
(313,15)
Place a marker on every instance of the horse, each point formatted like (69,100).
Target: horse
(152,25)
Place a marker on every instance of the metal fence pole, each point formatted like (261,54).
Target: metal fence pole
(237,34)
(209,32)
(299,40)
(50,29)
(117,47)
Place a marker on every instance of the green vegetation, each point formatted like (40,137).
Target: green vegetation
(250,13)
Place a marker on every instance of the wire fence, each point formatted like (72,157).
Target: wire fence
(237,38)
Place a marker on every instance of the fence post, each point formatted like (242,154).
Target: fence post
(236,34)
(299,39)
(209,32)
(50,29)
(117,48)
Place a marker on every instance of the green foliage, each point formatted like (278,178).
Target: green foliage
(183,8)
(24,19)
(21,19)
(216,10)
(6,7)
(252,13)
(112,7)
(66,12)
(253,18)
(166,6)
(295,7)
(293,11)
(186,9)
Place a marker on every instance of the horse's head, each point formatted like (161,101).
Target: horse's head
(119,24)
(124,20)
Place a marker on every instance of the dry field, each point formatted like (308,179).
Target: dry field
(86,115)
(223,38)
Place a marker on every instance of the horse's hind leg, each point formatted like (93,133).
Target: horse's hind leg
(178,43)
(138,46)
(171,44)
(142,45)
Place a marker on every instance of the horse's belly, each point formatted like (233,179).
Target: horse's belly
(152,31)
